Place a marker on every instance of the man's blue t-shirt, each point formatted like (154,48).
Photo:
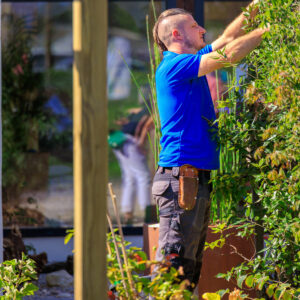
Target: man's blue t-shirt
(186,112)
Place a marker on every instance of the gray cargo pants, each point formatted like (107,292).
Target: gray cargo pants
(181,233)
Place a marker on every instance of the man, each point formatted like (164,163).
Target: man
(189,145)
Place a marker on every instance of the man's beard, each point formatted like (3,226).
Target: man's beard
(192,45)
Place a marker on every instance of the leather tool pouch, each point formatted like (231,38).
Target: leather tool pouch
(188,187)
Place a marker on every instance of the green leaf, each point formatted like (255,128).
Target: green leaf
(29,289)
(68,238)
(277,293)
(261,282)
(287,295)
(142,254)
(139,287)
(211,296)
(240,281)
(220,275)
(223,292)
(249,281)
(270,289)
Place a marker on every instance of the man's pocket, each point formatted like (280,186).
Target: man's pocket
(160,187)
(164,196)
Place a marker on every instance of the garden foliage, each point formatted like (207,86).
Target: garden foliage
(260,143)
(15,278)
(165,285)
(126,276)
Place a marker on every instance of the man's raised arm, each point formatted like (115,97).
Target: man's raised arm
(234,52)
(234,29)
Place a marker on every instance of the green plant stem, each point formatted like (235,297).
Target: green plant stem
(118,255)
(113,199)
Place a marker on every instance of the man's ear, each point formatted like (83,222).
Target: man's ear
(176,34)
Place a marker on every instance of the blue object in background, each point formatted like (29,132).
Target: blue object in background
(57,108)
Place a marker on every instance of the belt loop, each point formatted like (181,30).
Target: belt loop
(175,171)
(160,170)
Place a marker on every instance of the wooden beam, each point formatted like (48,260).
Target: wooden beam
(90,147)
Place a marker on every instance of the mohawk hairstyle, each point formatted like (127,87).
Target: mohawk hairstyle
(167,13)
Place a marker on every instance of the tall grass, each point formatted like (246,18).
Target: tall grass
(154,61)
(223,206)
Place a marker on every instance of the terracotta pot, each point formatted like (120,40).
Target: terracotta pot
(150,242)
(219,260)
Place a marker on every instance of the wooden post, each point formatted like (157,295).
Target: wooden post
(1,219)
(90,148)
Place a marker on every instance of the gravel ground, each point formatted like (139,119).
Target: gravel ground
(50,293)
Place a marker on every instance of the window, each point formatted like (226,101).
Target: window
(37,59)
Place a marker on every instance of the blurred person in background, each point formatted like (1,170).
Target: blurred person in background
(128,145)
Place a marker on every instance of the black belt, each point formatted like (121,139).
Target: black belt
(166,174)
(170,169)
(167,169)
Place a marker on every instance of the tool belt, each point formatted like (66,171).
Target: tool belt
(188,187)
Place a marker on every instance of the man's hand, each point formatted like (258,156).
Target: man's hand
(234,52)
(255,2)
(234,29)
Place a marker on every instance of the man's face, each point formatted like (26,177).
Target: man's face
(193,33)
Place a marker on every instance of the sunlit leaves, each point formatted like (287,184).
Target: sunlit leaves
(164,285)
(211,296)
(263,128)
(16,278)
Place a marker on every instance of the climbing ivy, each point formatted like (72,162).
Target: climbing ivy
(264,134)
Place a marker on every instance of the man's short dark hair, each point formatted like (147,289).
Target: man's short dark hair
(167,13)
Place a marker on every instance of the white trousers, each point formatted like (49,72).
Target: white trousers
(135,176)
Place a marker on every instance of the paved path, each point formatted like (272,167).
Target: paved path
(56,202)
